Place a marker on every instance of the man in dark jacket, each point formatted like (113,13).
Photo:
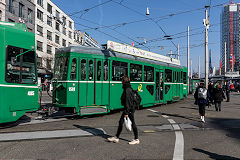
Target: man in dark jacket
(218,97)
(201,96)
(129,110)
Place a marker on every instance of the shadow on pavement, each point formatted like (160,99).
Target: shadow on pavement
(96,132)
(180,116)
(215,156)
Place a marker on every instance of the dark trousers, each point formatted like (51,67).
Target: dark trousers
(134,127)
(202,109)
(228,96)
(218,106)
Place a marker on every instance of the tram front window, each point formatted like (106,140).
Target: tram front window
(20,68)
(61,68)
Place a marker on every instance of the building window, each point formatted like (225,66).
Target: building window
(49,8)
(30,12)
(49,21)
(20,11)
(39,62)
(49,35)
(70,24)
(57,26)
(49,49)
(29,30)
(10,20)
(70,34)
(64,20)
(64,43)
(49,66)
(40,30)
(0,15)
(57,39)
(40,15)
(40,2)
(39,46)
(11,7)
(57,15)
(64,30)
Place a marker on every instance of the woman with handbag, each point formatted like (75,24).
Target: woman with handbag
(128,112)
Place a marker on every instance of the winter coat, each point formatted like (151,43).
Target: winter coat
(126,100)
(201,101)
(218,95)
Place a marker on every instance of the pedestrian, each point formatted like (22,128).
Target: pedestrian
(218,97)
(201,96)
(227,91)
(231,87)
(129,110)
(210,89)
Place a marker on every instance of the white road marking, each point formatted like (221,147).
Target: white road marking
(179,142)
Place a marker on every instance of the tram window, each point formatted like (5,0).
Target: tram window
(90,69)
(148,74)
(150,89)
(181,76)
(136,72)
(168,75)
(167,88)
(105,68)
(61,68)
(20,69)
(119,69)
(184,77)
(99,69)
(83,69)
(73,74)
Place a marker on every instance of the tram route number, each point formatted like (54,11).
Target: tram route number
(30,93)
(71,89)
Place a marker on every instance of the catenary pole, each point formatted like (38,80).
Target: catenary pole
(199,67)
(206,23)
(225,63)
(188,57)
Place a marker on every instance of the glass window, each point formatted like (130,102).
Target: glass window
(40,15)
(181,76)
(90,70)
(148,74)
(73,75)
(0,15)
(135,72)
(40,30)
(184,77)
(20,11)
(70,34)
(168,75)
(49,35)
(70,24)
(99,70)
(57,14)
(64,20)
(57,26)
(39,46)
(40,2)
(49,21)
(57,39)
(30,12)
(61,68)
(150,89)
(49,64)
(83,69)
(20,69)
(11,7)
(105,68)
(167,88)
(49,8)
(64,30)
(49,49)
(119,69)
(63,42)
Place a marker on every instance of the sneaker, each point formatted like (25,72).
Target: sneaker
(113,139)
(203,120)
(134,141)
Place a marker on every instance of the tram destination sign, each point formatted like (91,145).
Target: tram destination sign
(127,49)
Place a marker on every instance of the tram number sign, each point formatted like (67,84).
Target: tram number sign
(71,89)
(30,93)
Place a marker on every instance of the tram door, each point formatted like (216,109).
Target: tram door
(159,87)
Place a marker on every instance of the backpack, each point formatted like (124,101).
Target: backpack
(136,99)
(202,93)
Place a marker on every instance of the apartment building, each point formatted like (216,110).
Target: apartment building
(54,29)
(19,11)
(2,10)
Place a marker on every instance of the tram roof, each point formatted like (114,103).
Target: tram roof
(108,53)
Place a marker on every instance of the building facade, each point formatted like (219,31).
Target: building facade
(19,11)
(231,36)
(54,29)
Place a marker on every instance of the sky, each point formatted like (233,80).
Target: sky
(125,21)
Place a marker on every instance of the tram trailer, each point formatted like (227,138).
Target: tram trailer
(88,80)
(18,78)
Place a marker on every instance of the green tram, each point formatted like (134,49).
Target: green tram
(18,78)
(88,80)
